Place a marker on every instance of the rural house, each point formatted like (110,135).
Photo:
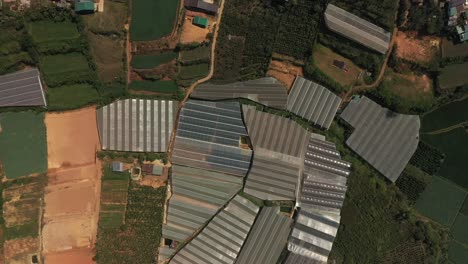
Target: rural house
(199,5)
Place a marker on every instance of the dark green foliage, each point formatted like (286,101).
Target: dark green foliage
(31,229)
(412,183)
(459,229)
(427,158)
(130,156)
(464,209)
(155,86)
(446,116)
(198,55)
(458,253)
(426,19)
(402,9)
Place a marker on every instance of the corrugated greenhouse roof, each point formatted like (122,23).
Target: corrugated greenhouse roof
(299,259)
(267,238)
(385,139)
(313,102)
(208,137)
(357,29)
(222,239)
(313,234)
(202,21)
(22,88)
(267,91)
(137,125)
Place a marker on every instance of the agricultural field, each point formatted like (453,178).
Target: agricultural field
(323,60)
(446,116)
(459,229)
(152,61)
(411,47)
(22,208)
(427,158)
(114,191)
(441,201)
(50,36)
(11,56)
(453,144)
(65,69)
(453,76)
(108,54)
(188,74)
(159,86)
(413,182)
(111,21)
(71,96)
(137,240)
(152,19)
(458,253)
(454,50)
(23,141)
(464,209)
(198,55)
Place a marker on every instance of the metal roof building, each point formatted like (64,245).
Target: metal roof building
(22,88)
(385,139)
(137,125)
(357,29)
(200,5)
(313,102)
(324,176)
(267,238)
(197,196)
(279,146)
(294,258)
(313,234)
(209,137)
(222,239)
(267,91)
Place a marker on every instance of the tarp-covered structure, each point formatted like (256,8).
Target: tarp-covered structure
(22,88)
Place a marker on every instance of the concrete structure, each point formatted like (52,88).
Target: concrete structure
(117,166)
(22,88)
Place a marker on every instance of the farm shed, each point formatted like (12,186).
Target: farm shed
(197,196)
(200,5)
(324,177)
(22,88)
(137,125)
(313,235)
(313,102)
(221,240)
(84,6)
(294,258)
(385,139)
(267,238)
(200,21)
(267,91)
(117,166)
(208,137)
(157,170)
(357,29)
(279,145)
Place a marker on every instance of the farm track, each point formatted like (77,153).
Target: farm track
(447,129)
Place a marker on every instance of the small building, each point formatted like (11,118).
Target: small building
(199,5)
(200,21)
(84,6)
(340,65)
(157,170)
(117,166)
(462,32)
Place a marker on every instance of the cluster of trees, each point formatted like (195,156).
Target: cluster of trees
(426,19)
(427,158)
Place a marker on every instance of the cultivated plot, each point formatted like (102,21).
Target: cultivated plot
(453,75)
(152,19)
(446,116)
(459,229)
(458,253)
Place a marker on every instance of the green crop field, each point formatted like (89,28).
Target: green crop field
(71,96)
(152,61)
(458,253)
(446,116)
(110,21)
(45,31)
(441,201)
(197,55)
(114,191)
(194,71)
(152,19)
(459,229)
(453,145)
(464,209)
(108,54)
(451,50)
(23,141)
(156,86)
(453,75)
(65,69)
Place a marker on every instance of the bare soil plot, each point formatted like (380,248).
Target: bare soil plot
(20,250)
(192,33)
(418,49)
(74,256)
(285,72)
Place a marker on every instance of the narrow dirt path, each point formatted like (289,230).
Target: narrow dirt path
(448,129)
(377,81)
(128,45)
(207,78)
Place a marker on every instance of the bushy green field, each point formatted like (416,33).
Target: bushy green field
(11,55)
(152,19)
(459,229)
(114,190)
(453,75)
(152,61)
(441,201)
(453,145)
(458,253)
(23,144)
(71,96)
(155,86)
(45,31)
(65,69)
(446,116)
(197,55)
(194,71)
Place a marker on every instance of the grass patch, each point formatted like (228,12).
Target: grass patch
(71,96)
(110,219)
(441,201)
(65,69)
(459,229)
(453,145)
(194,71)
(49,31)
(458,253)
(152,19)
(23,143)
(446,116)
(453,76)
(114,191)
(111,21)
(198,55)
(323,59)
(108,54)
(454,50)
(152,61)
(155,86)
